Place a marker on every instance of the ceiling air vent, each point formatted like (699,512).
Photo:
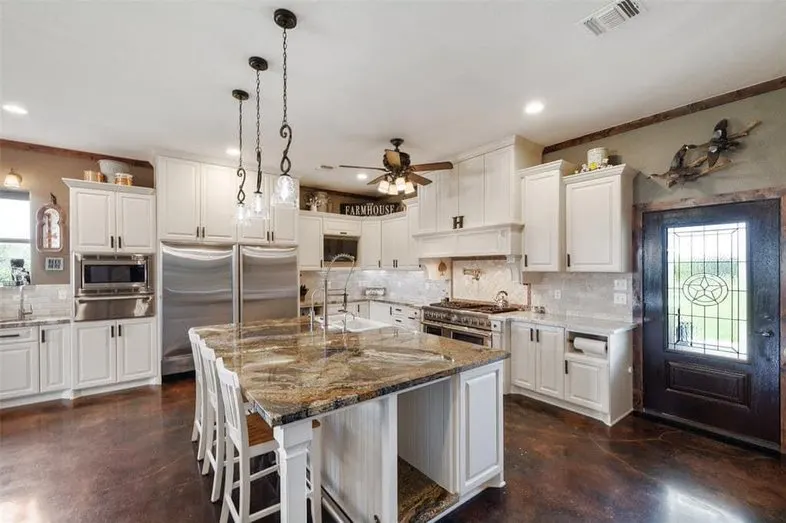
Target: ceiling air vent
(608,17)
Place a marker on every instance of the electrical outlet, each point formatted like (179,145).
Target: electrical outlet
(620,285)
(620,298)
(557,294)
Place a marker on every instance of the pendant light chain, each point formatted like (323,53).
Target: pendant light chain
(259,146)
(241,172)
(286,130)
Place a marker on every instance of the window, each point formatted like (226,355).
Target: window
(707,290)
(14,235)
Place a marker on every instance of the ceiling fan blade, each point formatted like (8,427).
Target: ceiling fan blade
(377,180)
(438,166)
(393,158)
(361,167)
(418,179)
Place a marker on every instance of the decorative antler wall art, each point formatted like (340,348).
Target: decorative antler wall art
(712,152)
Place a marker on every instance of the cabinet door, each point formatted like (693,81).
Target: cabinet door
(363,310)
(471,191)
(218,196)
(370,245)
(497,198)
(94,355)
(427,197)
(380,312)
(395,243)
(178,192)
(594,228)
(587,384)
(550,378)
(480,422)
(54,357)
(136,349)
(18,369)
(284,225)
(136,223)
(93,221)
(310,244)
(542,207)
(523,355)
(412,259)
(447,199)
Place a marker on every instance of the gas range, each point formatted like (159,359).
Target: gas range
(474,315)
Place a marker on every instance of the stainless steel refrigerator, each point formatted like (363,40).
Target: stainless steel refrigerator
(210,285)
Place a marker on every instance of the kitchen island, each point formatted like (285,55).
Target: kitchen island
(411,423)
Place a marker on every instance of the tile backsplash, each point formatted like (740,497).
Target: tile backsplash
(407,286)
(46,301)
(582,294)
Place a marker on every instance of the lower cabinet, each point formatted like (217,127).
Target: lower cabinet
(54,364)
(108,352)
(587,384)
(19,362)
(480,404)
(523,355)
(550,377)
(381,312)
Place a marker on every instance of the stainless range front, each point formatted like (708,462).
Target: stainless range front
(461,320)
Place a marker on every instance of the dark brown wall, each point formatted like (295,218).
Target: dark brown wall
(42,174)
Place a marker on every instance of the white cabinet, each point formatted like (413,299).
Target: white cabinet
(285,221)
(395,242)
(412,258)
(381,312)
(499,187)
(341,227)
(370,245)
(480,419)
(523,355)
(587,383)
(361,309)
(550,377)
(471,189)
(598,220)
(94,357)
(217,204)
(108,352)
(108,218)
(405,316)
(54,357)
(427,195)
(18,362)
(136,349)
(179,193)
(447,199)
(281,225)
(543,211)
(310,245)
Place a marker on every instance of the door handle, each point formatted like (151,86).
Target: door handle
(766,333)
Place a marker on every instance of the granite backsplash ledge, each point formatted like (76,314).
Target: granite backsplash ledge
(46,301)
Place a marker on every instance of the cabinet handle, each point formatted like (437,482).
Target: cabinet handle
(566,366)
(43,336)
(272,236)
(10,335)
(379,263)
(531,337)
(537,335)
(342,232)
(119,330)
(203,231)
(197,233)
(119,242)
(267,235)
(525,260)
(568,260)
(112,241)
(391,310)
(111,331)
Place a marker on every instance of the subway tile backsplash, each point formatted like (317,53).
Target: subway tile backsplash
(46,300)
(406,286)
(582,294)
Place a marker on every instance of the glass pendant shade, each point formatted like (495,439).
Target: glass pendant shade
(383,186)
(260,206)
(400,184)
(286,191)
(241,213)
(392,191)
(409,187)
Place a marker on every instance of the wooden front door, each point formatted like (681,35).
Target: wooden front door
(711,280)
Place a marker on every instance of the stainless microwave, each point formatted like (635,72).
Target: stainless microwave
(332,246)
(113,274)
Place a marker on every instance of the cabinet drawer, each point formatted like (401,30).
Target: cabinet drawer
(338,227)
(21,335)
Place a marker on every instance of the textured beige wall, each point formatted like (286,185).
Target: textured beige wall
(41,174)
(761,164)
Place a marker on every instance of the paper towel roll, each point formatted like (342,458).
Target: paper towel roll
(590,346)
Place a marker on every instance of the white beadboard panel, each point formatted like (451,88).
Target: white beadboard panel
(495,276)
(582,294)
(46,300)
(426,430)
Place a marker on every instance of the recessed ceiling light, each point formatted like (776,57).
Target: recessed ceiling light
(231,151)
(14,109)
(534,107)
(362,176)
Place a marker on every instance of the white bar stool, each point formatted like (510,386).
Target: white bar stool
(252,436)
(199,409)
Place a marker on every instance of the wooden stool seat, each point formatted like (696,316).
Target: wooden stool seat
(258,430)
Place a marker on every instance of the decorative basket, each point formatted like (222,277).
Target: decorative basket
(124,179)
(93,176)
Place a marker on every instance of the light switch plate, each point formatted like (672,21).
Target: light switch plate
(557,294)
(620,298)
(620,285)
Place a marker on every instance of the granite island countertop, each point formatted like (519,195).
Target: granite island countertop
(293,372)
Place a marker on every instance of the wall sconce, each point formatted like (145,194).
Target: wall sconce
(13,180)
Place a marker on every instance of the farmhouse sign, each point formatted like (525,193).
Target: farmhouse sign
(370,209)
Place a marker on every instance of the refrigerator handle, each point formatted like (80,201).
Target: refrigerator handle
(237,282)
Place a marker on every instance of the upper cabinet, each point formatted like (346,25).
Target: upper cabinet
(108,218)
(427,195)
(197,204)
(598,220)
(310,247)
(543,212)
(395,242)
(370,244)
(470,174)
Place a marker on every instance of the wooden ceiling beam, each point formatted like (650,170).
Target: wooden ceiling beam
(70,153)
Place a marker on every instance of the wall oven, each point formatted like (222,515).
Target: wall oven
(111,287)
(459,333)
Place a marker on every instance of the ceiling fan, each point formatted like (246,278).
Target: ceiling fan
(400,176)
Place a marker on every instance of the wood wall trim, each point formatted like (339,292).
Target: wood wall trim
(342,194)
(70,153)
(715,101)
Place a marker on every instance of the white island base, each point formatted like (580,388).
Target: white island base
(416,454)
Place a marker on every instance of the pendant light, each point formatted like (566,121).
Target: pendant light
(241,213)
(286,194)
(259,207)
